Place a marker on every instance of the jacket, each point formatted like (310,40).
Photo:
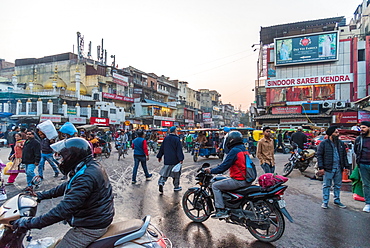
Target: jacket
(171,148)
(299,138)
(325,155)
(31,153)
(87,200)
(45,146)
(236,171)
(140,147)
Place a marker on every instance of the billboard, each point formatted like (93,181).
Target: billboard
(308,48)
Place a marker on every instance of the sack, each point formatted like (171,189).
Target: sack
(177,167)
(97,150)
(7,167)
(47,127)
(268,179)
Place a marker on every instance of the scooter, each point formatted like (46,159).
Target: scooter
(129,234)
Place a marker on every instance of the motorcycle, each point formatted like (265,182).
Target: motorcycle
(255,208)
(300,159)
(131,234)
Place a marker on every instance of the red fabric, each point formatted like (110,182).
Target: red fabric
(145,148)
(12,177)
(268,179)
(238,170)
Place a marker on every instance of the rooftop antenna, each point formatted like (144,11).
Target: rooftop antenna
(89,53)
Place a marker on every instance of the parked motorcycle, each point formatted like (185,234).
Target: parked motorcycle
(257,209)
(300,159)
(130,234)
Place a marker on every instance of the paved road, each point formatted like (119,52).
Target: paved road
(313,227)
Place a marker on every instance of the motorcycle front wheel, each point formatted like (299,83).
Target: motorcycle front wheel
(195,157)
(195,206)
(274,225)
(288,168)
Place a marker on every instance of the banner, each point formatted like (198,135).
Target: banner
(167,123)
(307,48)
(345,117)
(119,79)
(99,121)
(118,97)
(363,116)
(77,120)
(53,118)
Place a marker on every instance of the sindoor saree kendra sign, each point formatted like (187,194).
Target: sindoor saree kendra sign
(286,110)
(314,80)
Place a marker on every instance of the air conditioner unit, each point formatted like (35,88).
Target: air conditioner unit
(327,105)
(340,104)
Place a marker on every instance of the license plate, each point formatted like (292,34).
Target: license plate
(282,203)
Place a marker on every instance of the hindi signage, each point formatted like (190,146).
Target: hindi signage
(287,110)
(99,121)
(119,79)
(53,118)
(118,97)
(77,120)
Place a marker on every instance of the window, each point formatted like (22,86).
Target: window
(112,111)
(361,55)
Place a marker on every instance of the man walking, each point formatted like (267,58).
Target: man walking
(47,155)
(171,148)
(362,150)
(31,155)
(265,151)
(299,138)
(280,142)
(332,159)
(141,155)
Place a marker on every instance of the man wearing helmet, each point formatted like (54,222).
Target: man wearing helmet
(237,173)
(87,203)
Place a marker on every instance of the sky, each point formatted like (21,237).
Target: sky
(206,43)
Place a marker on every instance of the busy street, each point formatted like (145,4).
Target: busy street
(347,227)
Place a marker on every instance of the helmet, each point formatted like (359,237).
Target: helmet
(73,151)
(234,138)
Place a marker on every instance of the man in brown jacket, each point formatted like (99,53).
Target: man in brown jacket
(265,151)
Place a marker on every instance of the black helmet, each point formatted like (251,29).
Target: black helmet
(73,151)
(234,138)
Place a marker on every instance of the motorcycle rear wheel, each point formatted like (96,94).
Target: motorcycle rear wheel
(195,157)
(276,223)
(288,168)
(195,206)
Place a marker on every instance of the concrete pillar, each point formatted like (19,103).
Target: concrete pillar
(50,107)
(88,111)
(65,109)
(99,112)
(31,86)
(78,110)
(18,107)
(28,106)
(6,106)
(78,82)
(39,107)
(15,81)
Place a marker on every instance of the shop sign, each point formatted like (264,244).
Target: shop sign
(189,121)
(287,110)
(138,91)
(314,80)
(53,118)
(119,79)
(77,120)
(118,97)
(167,123)
(164,118)
(216,108)
(206,115)
(114,122)
(363,116)
(127,123)
(293,121)
(345,117)
(99,121)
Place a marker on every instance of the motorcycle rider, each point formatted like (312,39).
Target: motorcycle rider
(87,203)
(299,138)
(237,180)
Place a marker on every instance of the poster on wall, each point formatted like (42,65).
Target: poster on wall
(308,48)
(363,116)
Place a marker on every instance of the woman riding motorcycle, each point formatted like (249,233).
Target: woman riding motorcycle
(234,143)
(87,203)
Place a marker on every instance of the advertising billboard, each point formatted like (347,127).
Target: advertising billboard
(308,48)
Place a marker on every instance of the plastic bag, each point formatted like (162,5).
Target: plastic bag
(177,167)
(47,127)
(68,128)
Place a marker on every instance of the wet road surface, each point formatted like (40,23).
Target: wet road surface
(313,227)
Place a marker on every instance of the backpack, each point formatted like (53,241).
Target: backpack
(251,172)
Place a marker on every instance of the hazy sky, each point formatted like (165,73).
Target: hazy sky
(204,42)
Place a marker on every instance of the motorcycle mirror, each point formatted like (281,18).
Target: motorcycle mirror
(206,165)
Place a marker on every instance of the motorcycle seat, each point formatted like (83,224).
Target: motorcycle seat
(117,231)
(310,152)
(248,190)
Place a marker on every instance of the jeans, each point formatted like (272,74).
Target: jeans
(225,185)
(30,173)
(80,237)
(268,168)
(335,176)
(365,177)
(137,160)
(53,163)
